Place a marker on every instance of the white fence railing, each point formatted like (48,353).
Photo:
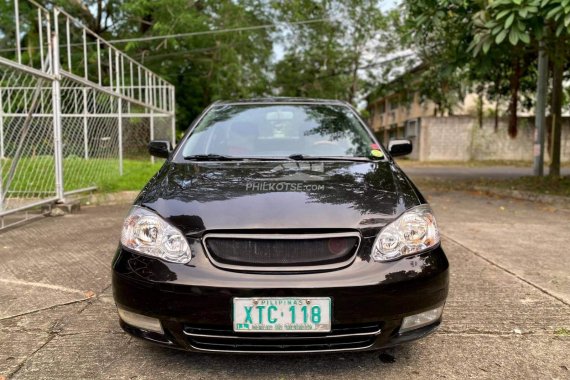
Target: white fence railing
(73,108)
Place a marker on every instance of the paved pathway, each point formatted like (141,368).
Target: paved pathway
(508,306)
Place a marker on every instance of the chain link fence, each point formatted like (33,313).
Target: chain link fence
(73,108)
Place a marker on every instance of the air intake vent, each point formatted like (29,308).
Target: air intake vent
(281,250)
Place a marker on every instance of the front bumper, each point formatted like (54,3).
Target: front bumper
(194,302)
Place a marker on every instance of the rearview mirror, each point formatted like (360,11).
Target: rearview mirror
(400,147)
(159,148)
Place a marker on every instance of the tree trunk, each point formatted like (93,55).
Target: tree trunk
(480,110)
(354,84)
(497,115)
(515,85)
(556,109)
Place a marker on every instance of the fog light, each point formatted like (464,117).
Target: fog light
(420,320)
(141,321)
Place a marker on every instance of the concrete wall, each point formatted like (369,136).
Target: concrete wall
(445,138)
(461,138)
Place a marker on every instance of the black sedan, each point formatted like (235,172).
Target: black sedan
(278,226)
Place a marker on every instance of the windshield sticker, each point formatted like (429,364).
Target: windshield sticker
(377,153)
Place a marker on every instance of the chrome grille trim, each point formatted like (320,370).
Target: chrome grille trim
(225,340)
(253,337)
(282,236)
(360,348)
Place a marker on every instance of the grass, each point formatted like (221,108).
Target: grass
(541,185)
(135,175)
(538,185)
(35,176)
(562,332)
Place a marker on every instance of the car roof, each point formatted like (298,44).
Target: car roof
(282,100)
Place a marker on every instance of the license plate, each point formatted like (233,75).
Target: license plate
(282,315)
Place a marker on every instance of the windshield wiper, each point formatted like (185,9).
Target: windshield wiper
(305,157)
(212,157)
(221,157)
(294,157)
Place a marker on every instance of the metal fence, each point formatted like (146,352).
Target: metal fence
(73,108)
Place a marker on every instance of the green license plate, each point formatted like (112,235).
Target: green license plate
(281,315)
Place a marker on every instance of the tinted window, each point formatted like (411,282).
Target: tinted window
(279,131)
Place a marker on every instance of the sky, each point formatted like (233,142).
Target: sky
(389,4)
(279,50)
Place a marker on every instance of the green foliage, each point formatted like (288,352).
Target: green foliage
(29,32)
(524,22)
(461,42)
(333,57)
(441,31)
(327,59)
(206,67)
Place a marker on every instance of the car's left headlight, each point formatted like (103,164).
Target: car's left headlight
(147,233)
(413,232)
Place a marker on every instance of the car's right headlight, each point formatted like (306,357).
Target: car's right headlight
(147,233)
(413,232)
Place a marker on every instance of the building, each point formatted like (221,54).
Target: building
(390,115)
(456,136)
(398,115)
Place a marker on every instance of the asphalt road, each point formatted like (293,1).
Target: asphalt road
(508,306)
(461,172)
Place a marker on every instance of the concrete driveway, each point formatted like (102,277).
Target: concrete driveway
(507,316)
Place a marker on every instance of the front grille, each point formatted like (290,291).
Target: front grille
(340,338)
(281,250)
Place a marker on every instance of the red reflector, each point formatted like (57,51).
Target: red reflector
(338,245)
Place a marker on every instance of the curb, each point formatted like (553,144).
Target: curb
(121,197)
(557,200)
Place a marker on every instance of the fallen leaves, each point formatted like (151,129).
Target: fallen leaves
(88,294)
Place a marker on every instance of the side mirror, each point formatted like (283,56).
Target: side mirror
(159,148)
(400,147)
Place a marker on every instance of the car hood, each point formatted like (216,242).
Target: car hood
(206,196)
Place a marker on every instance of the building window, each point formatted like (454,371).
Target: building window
(393,132)
(411,128)
(393,104)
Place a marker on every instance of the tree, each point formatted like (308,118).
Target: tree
(525,23)
(483,36)
(98,15)
(207,67)
(444,33)
(331,58)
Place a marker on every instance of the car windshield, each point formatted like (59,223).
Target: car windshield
(284,130)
